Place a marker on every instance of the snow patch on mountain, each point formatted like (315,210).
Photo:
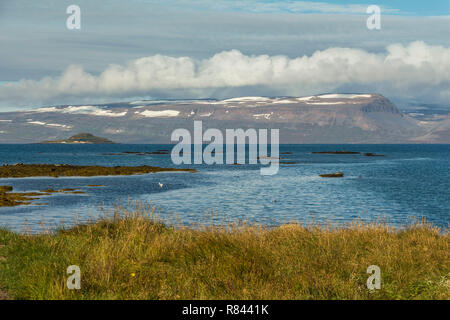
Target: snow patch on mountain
(344,96)
(57,125)
(263,115)
(90,110)
(159,114)
(247,99)
(37,122)
(95,111)
(326,103)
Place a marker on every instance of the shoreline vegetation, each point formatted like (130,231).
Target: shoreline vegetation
(22,170)
(136,255)
(11,199)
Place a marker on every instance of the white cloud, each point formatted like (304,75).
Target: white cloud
(414,70)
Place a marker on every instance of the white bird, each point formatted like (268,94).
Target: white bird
(160,184)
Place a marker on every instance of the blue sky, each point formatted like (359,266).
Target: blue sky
(415,7)
(400,7)
(35,43)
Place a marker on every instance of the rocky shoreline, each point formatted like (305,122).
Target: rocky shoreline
(11,199)
(21,170)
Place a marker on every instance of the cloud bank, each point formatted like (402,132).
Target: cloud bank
(414,71)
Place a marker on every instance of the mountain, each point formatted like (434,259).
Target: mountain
(82,138)
(326,118)
(439,131)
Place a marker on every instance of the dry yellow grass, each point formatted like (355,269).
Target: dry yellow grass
(133,256)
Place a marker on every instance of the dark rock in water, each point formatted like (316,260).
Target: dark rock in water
(332,175)
(136,153)
(370,154)
(65,190)
(268,158)
(157,152)
(336,152)
(49,191)
(4,189)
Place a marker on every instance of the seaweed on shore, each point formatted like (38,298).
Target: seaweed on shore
(65,170)
(65,190)
(12,199)
(333,175)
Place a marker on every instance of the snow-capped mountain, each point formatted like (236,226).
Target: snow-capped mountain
(327,118)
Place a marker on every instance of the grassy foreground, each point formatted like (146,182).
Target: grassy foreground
(133,256)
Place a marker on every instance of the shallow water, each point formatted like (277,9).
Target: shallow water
(412,181)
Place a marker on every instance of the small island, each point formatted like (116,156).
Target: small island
(82,138)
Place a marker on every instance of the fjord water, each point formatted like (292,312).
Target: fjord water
(410,182)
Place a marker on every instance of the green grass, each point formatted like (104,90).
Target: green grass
(134,256)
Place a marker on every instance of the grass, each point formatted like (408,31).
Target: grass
(136,256)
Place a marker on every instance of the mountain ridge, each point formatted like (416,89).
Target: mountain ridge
(325,118)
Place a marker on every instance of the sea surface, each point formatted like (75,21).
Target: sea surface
(411,182)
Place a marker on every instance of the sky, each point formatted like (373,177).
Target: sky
(130,49)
